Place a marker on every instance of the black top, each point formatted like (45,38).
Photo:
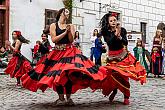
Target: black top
(113,42)
(14,46)
(65,39)
(44,47)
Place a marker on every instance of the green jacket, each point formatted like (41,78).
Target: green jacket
(143,55)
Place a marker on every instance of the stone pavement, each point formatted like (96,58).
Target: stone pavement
(150,96)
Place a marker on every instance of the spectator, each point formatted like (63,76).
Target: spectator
(139,53)
(92,39)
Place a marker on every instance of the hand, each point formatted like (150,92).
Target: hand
(117,33)
(68,28)
(8,43)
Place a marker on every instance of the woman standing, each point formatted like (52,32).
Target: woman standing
(139,53)
(65,69)
(121,65)
(77,39)
(98,50)
(92,39)
(18,65)
(157,44)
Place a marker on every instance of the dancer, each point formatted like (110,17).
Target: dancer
(65,69)
(18,65)
(139,53)
(44,48)
(121,64)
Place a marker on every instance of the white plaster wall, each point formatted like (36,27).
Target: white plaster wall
(133,12)
(29,18)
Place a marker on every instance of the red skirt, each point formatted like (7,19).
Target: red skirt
(18,66)
(61,65)
(119,73)
(42,59)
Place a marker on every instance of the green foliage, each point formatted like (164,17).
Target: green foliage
(69,5)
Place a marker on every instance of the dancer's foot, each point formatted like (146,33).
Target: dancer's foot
(70,102)
(59,102)
(126,101)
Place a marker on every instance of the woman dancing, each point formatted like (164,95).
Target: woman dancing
(121,64)
(65,69)
(18,65)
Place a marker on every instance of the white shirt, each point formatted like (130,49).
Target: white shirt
(92,39)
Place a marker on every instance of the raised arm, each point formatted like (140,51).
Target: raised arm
(17,46)
(71,33)
(53,35)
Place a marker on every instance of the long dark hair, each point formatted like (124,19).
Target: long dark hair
(142,44)
(21,38)
(45,35)
(76,36)
(59,14)
(46,30)
(104,24)
(97,32)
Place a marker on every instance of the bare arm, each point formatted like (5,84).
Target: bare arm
(71,33)
(53,35)
(17,45)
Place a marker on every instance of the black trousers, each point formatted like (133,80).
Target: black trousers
(68,88)
(115,92)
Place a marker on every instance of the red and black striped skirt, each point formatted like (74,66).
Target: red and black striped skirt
(18,66)
(121,65)
(61,66)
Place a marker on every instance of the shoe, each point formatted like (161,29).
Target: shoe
(111,97)
(126,101)
(59,102)
(70,102)
(18,85)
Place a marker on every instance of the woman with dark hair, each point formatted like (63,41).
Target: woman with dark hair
(121,65)
(98,50)
(157,43)
(65,69)
(77,39)
(44,48)
(139,53)
(92,39)
(18,65)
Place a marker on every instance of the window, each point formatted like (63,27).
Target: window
(50,16)
(143,30)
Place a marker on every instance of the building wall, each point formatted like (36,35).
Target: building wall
(133,12)
(29,17)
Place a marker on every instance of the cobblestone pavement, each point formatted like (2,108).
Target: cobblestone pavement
(150,96)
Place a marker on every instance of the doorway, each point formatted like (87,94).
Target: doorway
(2,27)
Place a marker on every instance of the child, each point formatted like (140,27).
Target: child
(3,54)
(156,62)
(139,53)
(36,52)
